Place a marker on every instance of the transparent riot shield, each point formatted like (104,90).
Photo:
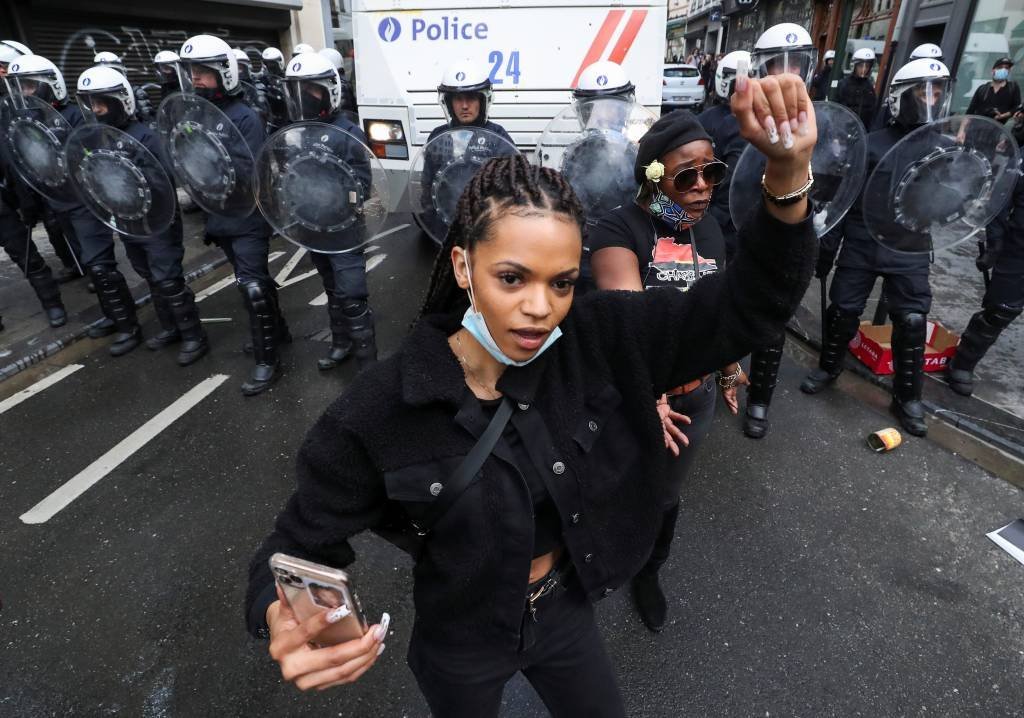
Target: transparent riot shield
(120,181)
(32,141)
(594,144)
(839,164)
(940,184)
(321,188)
(210,158)
(443,168)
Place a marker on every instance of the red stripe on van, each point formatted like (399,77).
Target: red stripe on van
(636,20)
(604,36)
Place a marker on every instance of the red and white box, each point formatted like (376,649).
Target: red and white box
(873,346)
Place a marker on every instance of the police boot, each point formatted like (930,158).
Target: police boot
(361,330)
(982,332)
(41,279)
(168,333)
(341,342)
(764,372)
(118,305)
(264,324)
(182,304)
(650,599)
(909,331)
(284,335)
(840,328)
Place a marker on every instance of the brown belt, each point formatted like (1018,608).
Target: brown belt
(689,387)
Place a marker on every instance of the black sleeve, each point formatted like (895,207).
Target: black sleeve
(679,335)
(972,109)
(340,493)
(252,131)
(611,231)
(1015,97)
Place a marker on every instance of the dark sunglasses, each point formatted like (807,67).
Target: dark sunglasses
(713,173)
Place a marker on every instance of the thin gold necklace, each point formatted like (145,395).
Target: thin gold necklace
(492,393)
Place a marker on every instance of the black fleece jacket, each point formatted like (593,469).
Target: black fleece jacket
(406,423)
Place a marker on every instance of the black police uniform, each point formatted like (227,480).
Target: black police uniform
(858,93)
(908,295)
(246,242)
(1004,295)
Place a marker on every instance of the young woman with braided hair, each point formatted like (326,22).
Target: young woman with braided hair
(556,518)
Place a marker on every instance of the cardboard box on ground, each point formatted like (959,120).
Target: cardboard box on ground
(873,347)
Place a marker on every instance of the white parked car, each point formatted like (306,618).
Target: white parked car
(682,86)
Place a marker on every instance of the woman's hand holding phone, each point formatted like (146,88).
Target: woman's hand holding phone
(319,668)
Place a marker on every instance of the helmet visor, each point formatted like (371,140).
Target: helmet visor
(102,107)
(465,107)
(201,77)
(307,99)
(776,62)
(38,84)
(923,102)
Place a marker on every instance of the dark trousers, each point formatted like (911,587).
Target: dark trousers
(851,287)
(17,243)
(699,405)
(566,664)
(155,259)
(248,255)
(343,275)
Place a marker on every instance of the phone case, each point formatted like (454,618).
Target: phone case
(311,588)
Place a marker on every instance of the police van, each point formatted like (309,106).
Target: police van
(533,51)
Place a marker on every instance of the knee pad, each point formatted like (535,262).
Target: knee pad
(909,321)
(355,307)
(170,287)
(104,273)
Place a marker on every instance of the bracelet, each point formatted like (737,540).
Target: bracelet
(785,200)
(728,381)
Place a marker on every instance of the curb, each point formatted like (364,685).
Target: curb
(21,364)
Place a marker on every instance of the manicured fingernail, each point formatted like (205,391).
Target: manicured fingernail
(741,75)
(771,129)
(381,632)
(337,614)
(380,649)
(803,124)
(787,136)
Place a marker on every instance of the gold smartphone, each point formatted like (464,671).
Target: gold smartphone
(311,588)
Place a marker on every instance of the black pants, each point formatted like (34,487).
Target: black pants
(248,255)
(343,275)
(699,405)
(567,666)
(851,287)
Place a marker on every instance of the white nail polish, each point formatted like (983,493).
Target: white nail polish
(337,614)
(381,632)
(787,136)
(380,649)
(773,132)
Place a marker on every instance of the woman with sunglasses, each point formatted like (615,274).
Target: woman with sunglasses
(660,241)
(568,501)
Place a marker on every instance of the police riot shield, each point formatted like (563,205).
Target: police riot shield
(443,168)
(209,157)
(940,184)
(33,137)
(321,188)
(120,181)
(594,144)
(839,165)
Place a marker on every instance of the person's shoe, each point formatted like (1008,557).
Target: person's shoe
(335,356)
(192,350)
(960,381)
(755,421)
(125,342)
(162,340)
(817,380)
(262,377)
(57,316)
(103,328)
(911,416)
(650,600)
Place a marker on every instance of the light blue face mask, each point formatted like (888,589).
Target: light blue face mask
(1001,75)
(473,322)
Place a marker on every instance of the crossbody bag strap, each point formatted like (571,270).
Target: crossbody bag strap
(463,475)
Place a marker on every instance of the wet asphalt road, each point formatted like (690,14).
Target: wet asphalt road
(810,577)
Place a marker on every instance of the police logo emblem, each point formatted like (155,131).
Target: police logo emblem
(791,38)
(460,76)
(188,48)
(296,67)
(86,81)
(934,67)
(602,80)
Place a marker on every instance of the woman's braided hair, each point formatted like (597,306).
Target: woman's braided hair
(504,185)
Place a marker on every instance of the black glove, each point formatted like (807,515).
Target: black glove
(825,261)
(988,253)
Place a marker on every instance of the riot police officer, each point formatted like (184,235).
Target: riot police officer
(301,49)
(166,64)
(1003,302)
(927,51)
(272,79)
(144,110)
(465,96)
(106,97)
(251,92)
(348,98)
(857,90)
(918,93)
(786,47)
(209,68)
(821,83)
(719,122)
(313,89)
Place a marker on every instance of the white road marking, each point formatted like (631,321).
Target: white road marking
(81,482)
(290,265)
(12,401)
(229,280)
(296,280)
(215,320)
(319,301)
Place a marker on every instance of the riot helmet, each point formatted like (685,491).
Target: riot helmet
(105,96)
(110,59)
(863,59)
(208,67)
(919,93)
(11,50)
(273,61)
(461,81)
(35,75)
(334,57)
(725,73)
(604,79)
(927,51)
(244,65)
(312,88)
(830,55)
(301,49)
(785,47)
(166,64)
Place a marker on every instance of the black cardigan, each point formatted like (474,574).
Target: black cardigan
(406,423)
